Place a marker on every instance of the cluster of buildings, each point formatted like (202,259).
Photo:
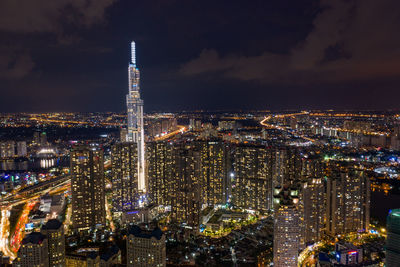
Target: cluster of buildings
(177,179)
(11,149)
(48,248)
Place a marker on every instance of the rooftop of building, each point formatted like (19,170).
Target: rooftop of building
(113,250)
(52,224)
(393,221)
(139,232)
(90,254)
(34,238)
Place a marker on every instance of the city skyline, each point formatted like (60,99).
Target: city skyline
(200,55)
(271,135)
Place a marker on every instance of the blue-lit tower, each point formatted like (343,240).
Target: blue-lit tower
(135,117)
(393,238)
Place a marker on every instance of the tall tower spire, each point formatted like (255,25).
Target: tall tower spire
(135,117)
(133,53)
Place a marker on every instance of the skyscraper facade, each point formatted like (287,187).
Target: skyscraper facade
(33,251)
(214,171)
(88,197)
(124,182)
(287,230)
(186,197)
(135,117)
(145,248)
(312,209)
(393,238)
(348,199)
(161,169)
(253,177)
(54,231)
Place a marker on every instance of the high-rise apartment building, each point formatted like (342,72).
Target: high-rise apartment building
(54,231)
(161,169)
(123,134)
(214,172)
(312,209)
(33,251)
(88,199)
(43,139)
(145,248)
(287,165)
(124,176)
(252,177)
(135,117)
(186,184)
(7,149)
(210,172)
(393,238)
(36,138)
(21,149)
(348,199)
(287,230)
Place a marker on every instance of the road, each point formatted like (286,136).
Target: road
(265,123)
(9,244)
(181,129)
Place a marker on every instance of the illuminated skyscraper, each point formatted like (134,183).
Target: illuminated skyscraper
(393,238)
(186,196)
(160,174)
(135,117)
(214,172)
(252,177)
(124,182)
(87,186)
(54,231)
(286,166)
(312,209)
(287,233)
(348,199)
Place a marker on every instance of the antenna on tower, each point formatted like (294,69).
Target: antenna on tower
(133,53)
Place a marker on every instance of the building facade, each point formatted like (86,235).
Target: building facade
(252,177)
(312,209)
(145,248)
(160,172)
(88,197)
(186,194)
(54,231)
(393,238)
(124,164)
(348,199)
(214,172)
(33,251)
(287,230)
(135,117)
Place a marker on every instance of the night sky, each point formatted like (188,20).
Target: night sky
(72,55)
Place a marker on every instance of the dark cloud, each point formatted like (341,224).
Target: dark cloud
(350,41)
(22,19)
(28,16)
(226,54)
(14,63)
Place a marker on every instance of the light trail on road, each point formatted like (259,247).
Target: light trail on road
(5,233)
(19,233)
(273,126)
(181,129)
(9,248)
